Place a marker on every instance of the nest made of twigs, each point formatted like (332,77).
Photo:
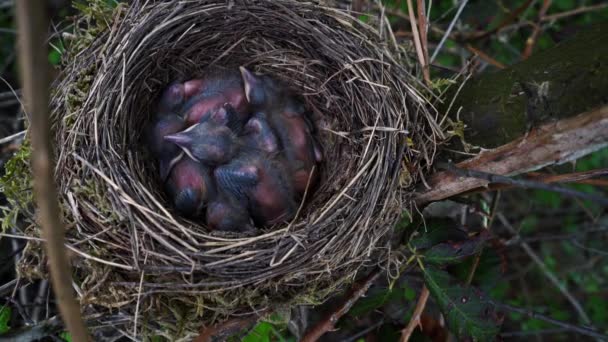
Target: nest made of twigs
(131,248)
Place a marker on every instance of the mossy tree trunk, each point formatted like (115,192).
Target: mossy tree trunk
(549,109)
(563,81)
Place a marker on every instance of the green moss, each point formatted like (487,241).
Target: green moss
(96,16)
(17,185)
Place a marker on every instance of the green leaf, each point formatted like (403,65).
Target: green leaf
(5,318)
(469,314)
(260,333)
(66,336)
(454,251)
(438,230)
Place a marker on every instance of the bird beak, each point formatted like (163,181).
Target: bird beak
(179,139)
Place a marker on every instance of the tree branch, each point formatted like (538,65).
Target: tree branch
(553,143)
(327,323)
(406,333)
(32,23)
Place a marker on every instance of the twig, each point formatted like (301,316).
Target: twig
(224,329)
(12,137)
(546,272)
(574,177)
(552,143)
(447,33)
(422,30)
(418,43)
(531,41)
(328,322)
(406,333)
(511,18)
(580,10)
(571,327)
(32,23)
(484,56)
(522,183)
(487,226)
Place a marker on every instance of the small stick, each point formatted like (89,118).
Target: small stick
(328,322)
(570,327)
(522,183)
(226,328)
(484,56)
(580,10)
(406,333)
(32,21)
(417,41)
(531,42)
(422,29)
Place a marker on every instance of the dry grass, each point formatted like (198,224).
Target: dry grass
(132,252)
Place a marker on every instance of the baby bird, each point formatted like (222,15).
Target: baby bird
(172,98)
(226,213)
(208,94)
(259,183)
(209,141)
(288,117)
(259,135)
(190,186)
(166,152)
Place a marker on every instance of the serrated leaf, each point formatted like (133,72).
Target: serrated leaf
(5,318)
(66,336)
(454,251)
(468,312)
(438,230)
(260,333)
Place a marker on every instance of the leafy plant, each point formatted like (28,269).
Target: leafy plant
(468,312)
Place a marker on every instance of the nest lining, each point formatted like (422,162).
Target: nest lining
(364,104)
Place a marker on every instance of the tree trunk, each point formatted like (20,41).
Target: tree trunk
(563,81)
(549,109)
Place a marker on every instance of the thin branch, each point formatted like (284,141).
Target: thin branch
(570,327)
(522,183)
(531,42)
(484,56)
(418,43)
(328,322)
(546,272)
(449,30)
(553,143)
(584,177)
(422,30)
(580,10)
(406,333)
(507,21)
(224,329)
(32,21)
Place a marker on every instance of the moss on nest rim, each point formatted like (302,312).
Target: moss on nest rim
(365,103)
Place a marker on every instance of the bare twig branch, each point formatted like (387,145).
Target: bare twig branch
(447,33)
(553,143)
(531,42)
(422,30)
(32,23)
(523,183)
(569,327)
(327,323)
(406,333)
(546,272)
(580,10)
(418,43)
(484,56)
(225,329)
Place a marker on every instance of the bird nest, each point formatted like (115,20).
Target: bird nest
(132,252)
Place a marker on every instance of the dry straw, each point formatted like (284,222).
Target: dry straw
(133,253)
